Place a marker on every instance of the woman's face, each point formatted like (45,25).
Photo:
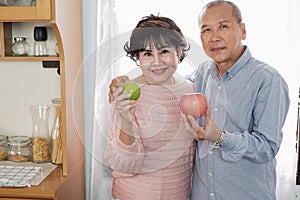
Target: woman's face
(222,35)
(159,65)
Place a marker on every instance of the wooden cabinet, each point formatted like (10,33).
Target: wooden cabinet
(43,11)
(64,18)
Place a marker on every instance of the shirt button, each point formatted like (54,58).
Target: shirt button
(215,109)
(219,87)
(211,194)
(210,152)
(210,174)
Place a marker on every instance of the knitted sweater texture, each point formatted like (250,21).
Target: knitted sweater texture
(158,165)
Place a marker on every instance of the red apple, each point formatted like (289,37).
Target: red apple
(194,104)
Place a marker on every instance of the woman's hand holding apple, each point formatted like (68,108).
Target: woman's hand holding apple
(126,109)
(124,105)
(125,101)
(115,83)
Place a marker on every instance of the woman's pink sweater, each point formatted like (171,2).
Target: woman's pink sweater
(158,165)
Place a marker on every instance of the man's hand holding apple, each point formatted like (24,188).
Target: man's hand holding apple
(209,131)
(194,105)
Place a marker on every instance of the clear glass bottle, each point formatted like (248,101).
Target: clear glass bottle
(20,47)
(55,139)
(3,143)
(40,43)
(40,48)
(19,148)
(40,134)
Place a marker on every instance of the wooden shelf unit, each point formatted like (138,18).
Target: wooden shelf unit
(67,181)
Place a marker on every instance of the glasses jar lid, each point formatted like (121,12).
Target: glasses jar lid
(19,141)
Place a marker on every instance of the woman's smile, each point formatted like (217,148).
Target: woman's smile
(159,71)
(159,65)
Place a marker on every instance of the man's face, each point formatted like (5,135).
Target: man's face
(222,35)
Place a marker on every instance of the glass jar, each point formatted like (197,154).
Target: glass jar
(20,47)
(3,152)
(40,134)
(40,41)
(55,138)
(19,148)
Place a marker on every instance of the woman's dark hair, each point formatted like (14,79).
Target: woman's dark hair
(155,32)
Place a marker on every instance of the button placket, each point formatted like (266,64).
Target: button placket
(212,196)
(210,174)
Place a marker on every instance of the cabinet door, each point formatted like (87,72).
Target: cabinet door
(40,12)
(6,198)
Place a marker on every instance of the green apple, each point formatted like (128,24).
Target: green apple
(133,89)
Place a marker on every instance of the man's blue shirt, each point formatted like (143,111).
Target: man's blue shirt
(250,103)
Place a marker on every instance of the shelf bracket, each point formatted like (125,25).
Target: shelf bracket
(52,64)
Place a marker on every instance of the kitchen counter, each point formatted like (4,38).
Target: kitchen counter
(47,189)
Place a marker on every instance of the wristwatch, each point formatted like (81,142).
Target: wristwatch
(221,139)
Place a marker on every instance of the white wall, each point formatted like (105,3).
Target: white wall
(23,84)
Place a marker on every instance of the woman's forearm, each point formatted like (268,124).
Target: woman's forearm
(126,136)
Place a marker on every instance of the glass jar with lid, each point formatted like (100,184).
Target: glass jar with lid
(19,148)
(20,47)
(3,152)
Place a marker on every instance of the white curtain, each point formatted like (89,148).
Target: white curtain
(100,175)
(272,35)
(285,57)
